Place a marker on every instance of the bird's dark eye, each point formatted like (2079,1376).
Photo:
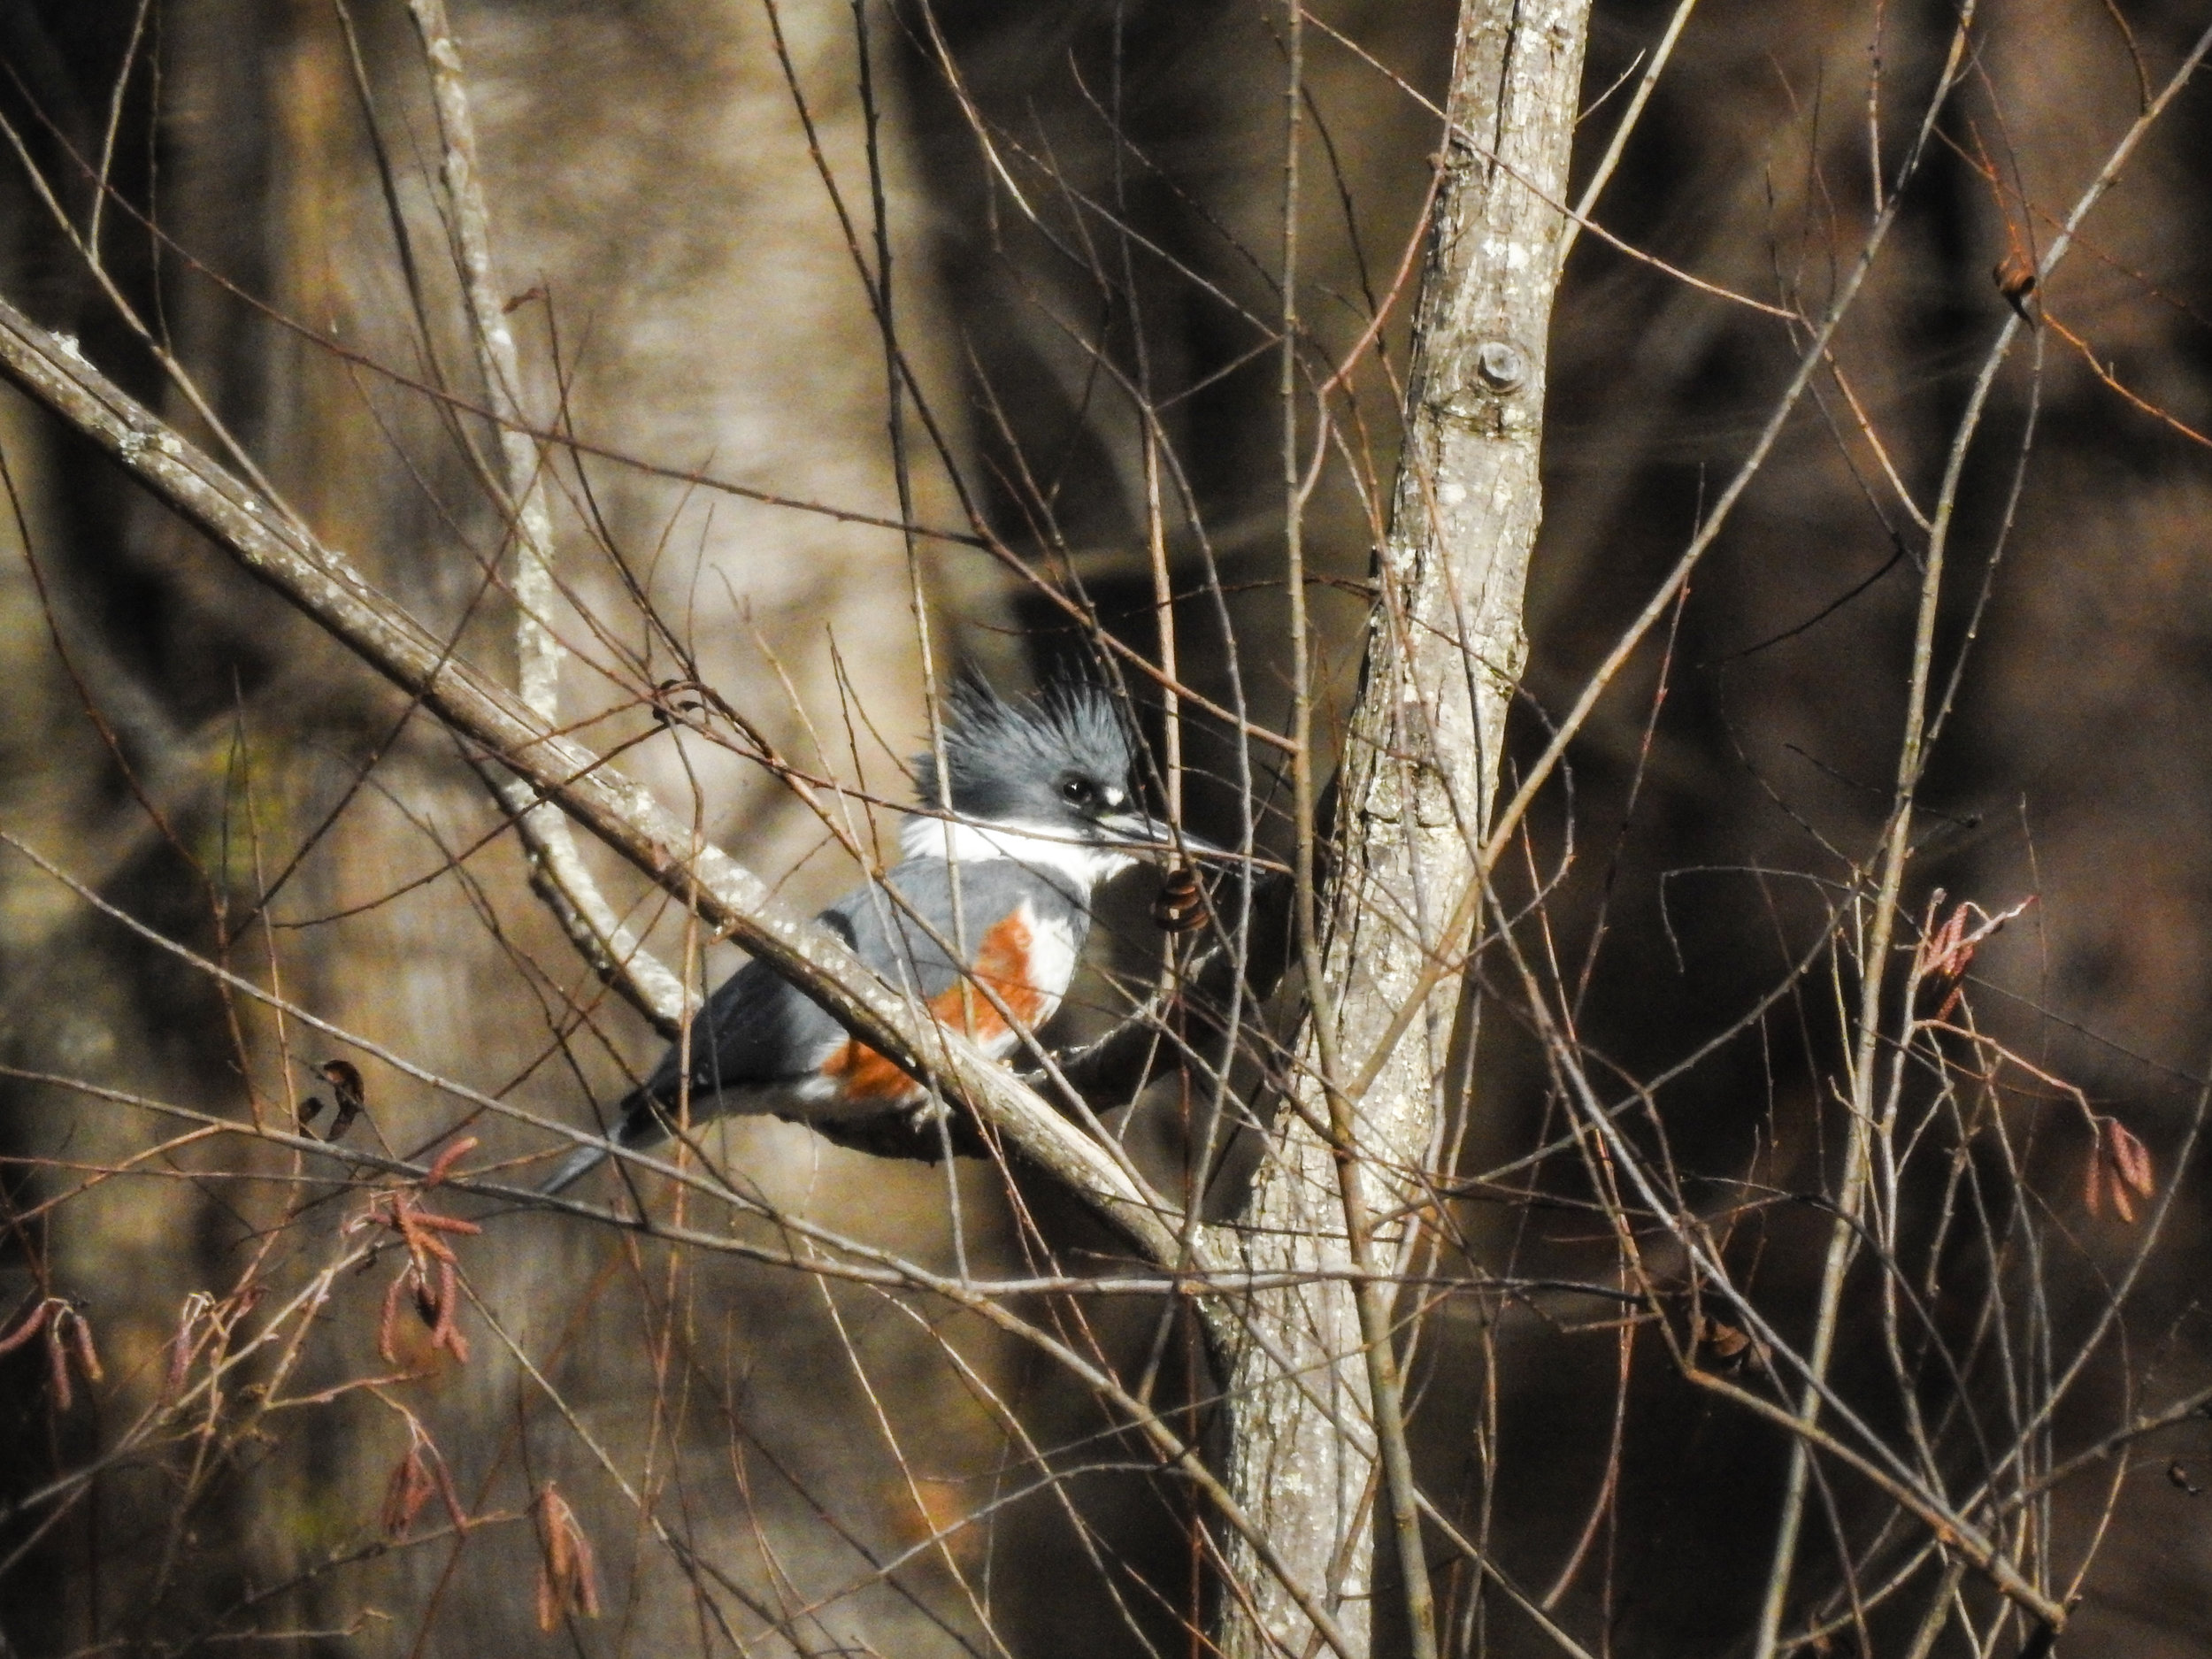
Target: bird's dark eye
(1079,792)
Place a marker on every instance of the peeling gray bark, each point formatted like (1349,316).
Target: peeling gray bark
(1418,777)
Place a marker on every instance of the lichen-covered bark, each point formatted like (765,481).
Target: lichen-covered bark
(1416,789)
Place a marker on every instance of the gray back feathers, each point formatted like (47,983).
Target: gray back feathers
(757,1030)
(1059,762)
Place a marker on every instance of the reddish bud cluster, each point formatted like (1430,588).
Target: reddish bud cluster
(68,1337)
(430,1274)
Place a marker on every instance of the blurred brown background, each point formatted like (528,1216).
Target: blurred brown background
(694,302)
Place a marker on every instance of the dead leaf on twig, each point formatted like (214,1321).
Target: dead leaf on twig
(568,1582)
(404,1494)
(1733,1347)
(2131,1159)
(345,1080)
(419,1474)
(2016,280)
(1947,948)
(2119,1166)
(2120,1169)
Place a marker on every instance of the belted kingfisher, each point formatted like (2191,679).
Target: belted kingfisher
(1038,809)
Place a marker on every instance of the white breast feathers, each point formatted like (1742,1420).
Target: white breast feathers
(1031,845)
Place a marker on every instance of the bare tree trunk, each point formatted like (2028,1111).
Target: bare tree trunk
(1308,1396)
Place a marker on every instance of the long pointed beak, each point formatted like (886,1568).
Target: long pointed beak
(1143,830)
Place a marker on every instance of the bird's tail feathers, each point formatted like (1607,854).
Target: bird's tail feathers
(639,1124)
(578,1164)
